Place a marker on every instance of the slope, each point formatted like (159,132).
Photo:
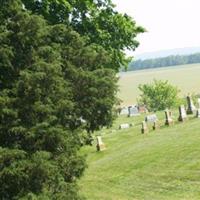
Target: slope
(164,164)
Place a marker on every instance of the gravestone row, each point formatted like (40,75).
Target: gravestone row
(133,111)
(168,115)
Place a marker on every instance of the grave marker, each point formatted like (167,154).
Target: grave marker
(182,114)
(168,118)
(151,118)
(133,111)
(144,128)
(191,108)
(100,145)
(125,126)
(142,109)
(124,111)
(198,113)
(198,100)
(156,125)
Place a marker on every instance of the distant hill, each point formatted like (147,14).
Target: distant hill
(165,53)
(171,60)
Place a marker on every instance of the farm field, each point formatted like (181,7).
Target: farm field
(161,165)
(185,77)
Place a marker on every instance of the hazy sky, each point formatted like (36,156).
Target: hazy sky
(170,23)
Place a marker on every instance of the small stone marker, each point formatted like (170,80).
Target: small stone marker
(133,111)
(198,113)
(198,100)
(182,114)
(125,126)
(191,108)
(156,125)
(144,128)
(142,109)
(151,118)
(100,145)
(168,118)
(124,111)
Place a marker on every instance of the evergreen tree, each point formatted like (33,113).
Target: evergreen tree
(38,148)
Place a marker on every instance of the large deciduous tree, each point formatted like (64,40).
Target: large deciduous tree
(97,20)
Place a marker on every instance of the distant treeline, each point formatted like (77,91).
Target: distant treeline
(164,62)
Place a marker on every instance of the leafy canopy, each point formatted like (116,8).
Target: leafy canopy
(158,95)
(97,21)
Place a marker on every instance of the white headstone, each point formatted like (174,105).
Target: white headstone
(182,113)
(198,100)
(100,144)
(133,111)
(125,126)
(151,118)
(168,116)
(124,111)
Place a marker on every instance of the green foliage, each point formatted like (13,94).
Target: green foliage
(51,78)
(98,21)
(38,146)
(96,94)
(158,95)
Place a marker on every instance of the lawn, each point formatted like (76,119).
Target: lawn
(161,165)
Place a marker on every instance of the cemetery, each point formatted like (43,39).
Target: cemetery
(75,124)
(152,136)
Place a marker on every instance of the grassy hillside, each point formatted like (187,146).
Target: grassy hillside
(186,77)
(162,165)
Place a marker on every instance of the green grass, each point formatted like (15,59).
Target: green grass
(160,165)
(186,77)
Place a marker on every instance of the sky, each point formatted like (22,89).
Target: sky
(170,23)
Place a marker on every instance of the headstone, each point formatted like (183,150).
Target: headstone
(198,113)
(151,118)
(156,125)
(100,145)
(124,111)
(125,126)
(144,128)
(182,114)
(168,118)
(133,111)
(142,109)
(191,108)
(198,101)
